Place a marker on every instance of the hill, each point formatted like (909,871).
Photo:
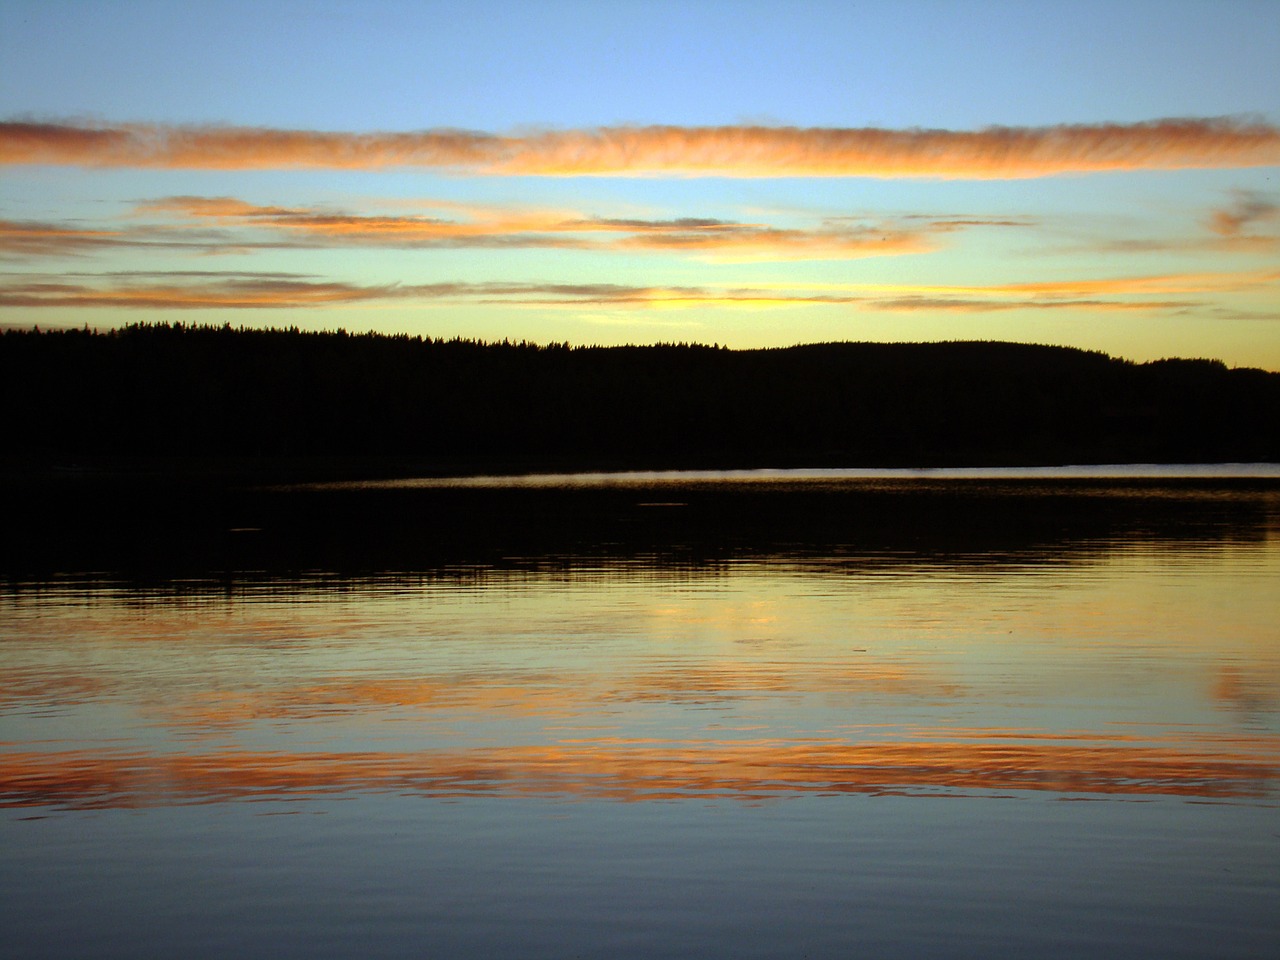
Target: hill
(165,391)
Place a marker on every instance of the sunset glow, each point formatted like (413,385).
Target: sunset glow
(998,176)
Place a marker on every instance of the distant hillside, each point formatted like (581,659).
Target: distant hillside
(187,391)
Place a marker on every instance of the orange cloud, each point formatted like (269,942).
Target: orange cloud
(217,207)
(26,239)
(992,153)
(749,242)
(708,238)
(41,239)
(1248,209)
(1248,224)
(742,151)
(208,289)
(1088,293)
(244,291)
(236,148)
(344,228)
(961,305)
(231,292)
(1169,283)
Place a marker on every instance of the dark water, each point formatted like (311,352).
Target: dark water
(645,717)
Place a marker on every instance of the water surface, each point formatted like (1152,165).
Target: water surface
(908,716)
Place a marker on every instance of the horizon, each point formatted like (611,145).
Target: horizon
(748,175)
(427,336)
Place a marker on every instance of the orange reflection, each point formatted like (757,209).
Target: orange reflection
(631,770)
(1252,693)
(25,686)
(547,696)
(343,698)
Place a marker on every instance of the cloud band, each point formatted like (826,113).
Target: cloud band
(737,151)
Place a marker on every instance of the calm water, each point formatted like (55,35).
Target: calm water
(653,716)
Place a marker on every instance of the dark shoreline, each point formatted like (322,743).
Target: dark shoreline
(171,450)
(162,527)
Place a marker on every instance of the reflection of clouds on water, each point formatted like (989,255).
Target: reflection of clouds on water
(625,769)
(509,694)
(28,688)
(1253,694)
(935,659)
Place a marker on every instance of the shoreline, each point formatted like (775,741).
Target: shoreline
(396,471)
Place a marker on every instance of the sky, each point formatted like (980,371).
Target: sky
(752,174)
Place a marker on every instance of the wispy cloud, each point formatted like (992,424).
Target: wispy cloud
(735,151)
(1109,294)
(30,238)
(991,153)
(962,305)
(1247,209)
(744,242)
(181,292)
(1125,293)
(237,148)
(204,289)
(33,239)
(311,226)
(1163,284)
(210,289)
(221,224)
(21,239)
(1248,222)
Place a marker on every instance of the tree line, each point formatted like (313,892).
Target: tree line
(176,390)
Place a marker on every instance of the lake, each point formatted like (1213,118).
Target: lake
(773,713)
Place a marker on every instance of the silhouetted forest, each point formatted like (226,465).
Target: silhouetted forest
(165,391)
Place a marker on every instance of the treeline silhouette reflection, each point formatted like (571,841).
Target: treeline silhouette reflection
(157,528)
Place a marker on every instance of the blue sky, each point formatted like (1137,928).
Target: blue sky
(1171,253)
